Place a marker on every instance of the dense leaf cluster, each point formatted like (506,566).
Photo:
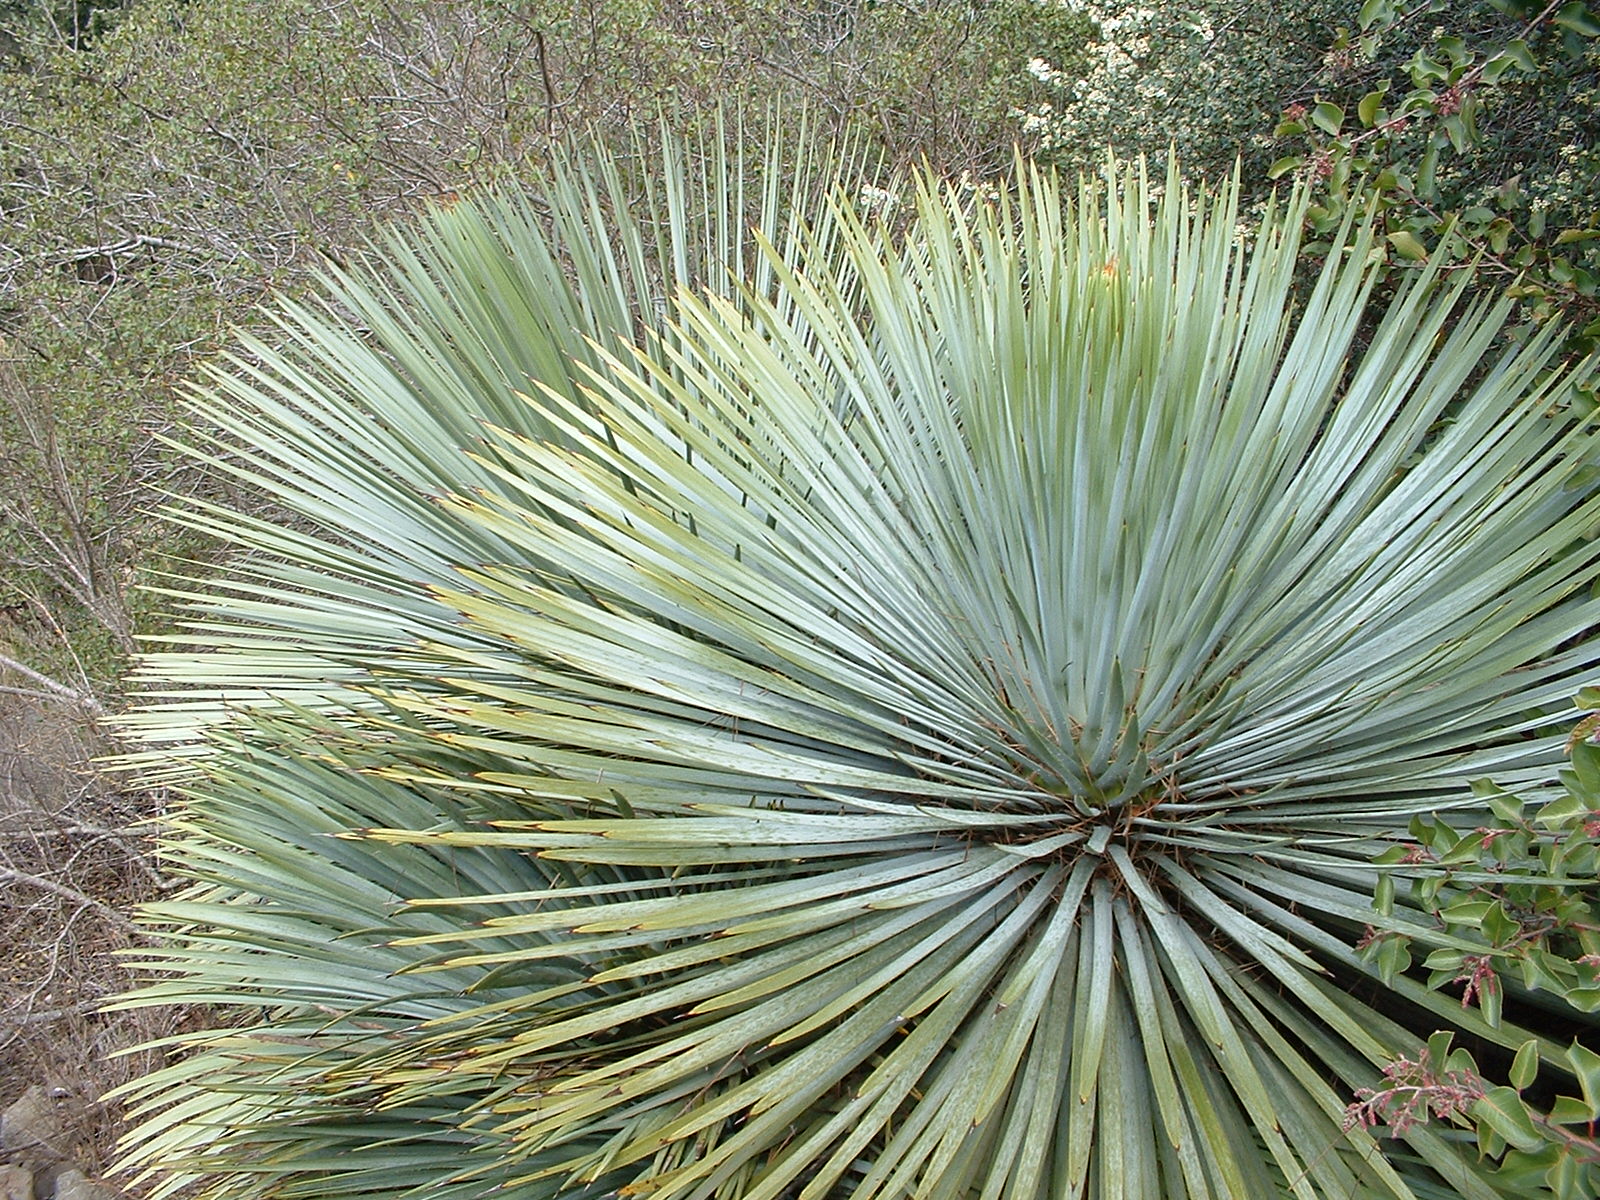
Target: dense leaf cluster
(1472,129)
(1517,895)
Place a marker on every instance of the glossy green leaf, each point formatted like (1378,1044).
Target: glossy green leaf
(1503,1111)
(1577,18)
(1525,1067)
(1569,1110)
(1569,1177)
(1327,117)
(1586,1065)
(1374,12)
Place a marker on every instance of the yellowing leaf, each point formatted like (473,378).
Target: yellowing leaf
(1408,245)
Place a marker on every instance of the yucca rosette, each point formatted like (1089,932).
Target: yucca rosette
(854,709)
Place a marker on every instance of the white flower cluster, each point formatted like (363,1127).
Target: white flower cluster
(1124,76)
(876,201)
(1204,76)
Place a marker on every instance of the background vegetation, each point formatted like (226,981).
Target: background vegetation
(164,166)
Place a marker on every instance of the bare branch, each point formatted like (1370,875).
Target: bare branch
(55,689)
(71,893)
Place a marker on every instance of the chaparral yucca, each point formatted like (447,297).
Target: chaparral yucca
(866,706)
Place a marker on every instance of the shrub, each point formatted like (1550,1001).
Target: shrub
(1517,895)
(165,166)
(1472,130)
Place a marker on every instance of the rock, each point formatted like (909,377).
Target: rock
(16,1183)
(75,1185)
(44,1179)
(31,1130)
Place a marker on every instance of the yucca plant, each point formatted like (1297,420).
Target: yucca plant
(755,698)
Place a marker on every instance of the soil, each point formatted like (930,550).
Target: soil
(74,862)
